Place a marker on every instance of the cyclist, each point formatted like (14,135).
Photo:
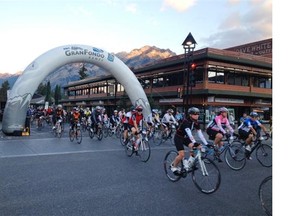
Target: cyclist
(58,114)
(39,114)
(216,129)
(249,128)
(96,118)
(134,124)
(75,117)
(114,120)
(125,121)
(184,136)
(167,121)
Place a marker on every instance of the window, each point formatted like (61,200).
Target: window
(158,82)
(262,82)
(215,77)
(237,79)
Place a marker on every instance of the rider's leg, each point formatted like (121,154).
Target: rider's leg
(218,140)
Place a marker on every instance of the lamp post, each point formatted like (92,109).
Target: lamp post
(189,45)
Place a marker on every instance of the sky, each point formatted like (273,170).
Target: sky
(29,28)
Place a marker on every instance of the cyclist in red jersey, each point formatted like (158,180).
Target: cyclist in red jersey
(134,124)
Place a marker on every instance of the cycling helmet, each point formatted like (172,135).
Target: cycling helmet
(223,109)
(154,111)
(98,107)
(170,110)
(254,114)
(115,111)
(193,110)
(132,108)
(139,108)
(59,106)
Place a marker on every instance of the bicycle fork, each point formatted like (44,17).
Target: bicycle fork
(203,167)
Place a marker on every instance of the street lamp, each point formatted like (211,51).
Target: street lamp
(189,45)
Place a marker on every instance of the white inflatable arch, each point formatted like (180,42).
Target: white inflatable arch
(19,98)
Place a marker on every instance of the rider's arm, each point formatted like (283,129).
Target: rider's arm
(189,133)
(262,127)
(201,136)
(218,122)
(229,127)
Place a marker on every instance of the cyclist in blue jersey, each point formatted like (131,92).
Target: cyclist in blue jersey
(249,128)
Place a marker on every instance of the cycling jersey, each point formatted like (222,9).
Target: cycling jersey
(248,124)
(75,116)
(186,128)
(167,118)
(220,123)
(135,117)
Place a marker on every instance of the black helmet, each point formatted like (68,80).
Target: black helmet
(193,110)
(254,114)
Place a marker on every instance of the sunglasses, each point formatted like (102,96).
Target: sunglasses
(195,114)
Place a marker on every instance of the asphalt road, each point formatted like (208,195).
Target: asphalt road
(44,175)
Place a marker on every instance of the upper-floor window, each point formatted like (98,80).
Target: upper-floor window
(262,82)
(237,79)
(145,83)
(158,82)
(215,77)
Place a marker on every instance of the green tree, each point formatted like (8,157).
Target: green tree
(82,73)
(3,90)
(57,94)
(48,96)
(42,89)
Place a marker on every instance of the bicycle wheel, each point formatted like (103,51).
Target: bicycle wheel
(59,131)
(122,139)
(91,133)
(235,156)
(105,132)
(71,135)
(265,195)
(129,149)
(78,135)
(206,175)
(264,155)
(168,160)
(171,137)
(118,132)
(144,151)
(110,132)
(158,137)
(100,134)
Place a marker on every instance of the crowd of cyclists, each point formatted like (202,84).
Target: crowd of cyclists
(133,120)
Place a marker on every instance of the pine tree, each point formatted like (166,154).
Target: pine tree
(3,90)
(57,94)
(48,96)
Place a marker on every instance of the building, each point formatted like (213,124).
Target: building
(239,78)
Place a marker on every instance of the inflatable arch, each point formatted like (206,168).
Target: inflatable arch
(19,97)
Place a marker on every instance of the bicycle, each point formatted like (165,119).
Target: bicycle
(58,128)
(265,195)
(161,135)
(99,133)
(143,150)
(76,133)
(233,153)
(263,151)
(205,173)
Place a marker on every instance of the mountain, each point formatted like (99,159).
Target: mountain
(10,77)
(135,59)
